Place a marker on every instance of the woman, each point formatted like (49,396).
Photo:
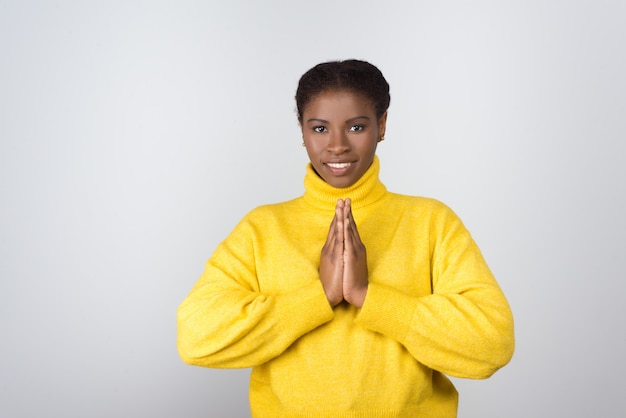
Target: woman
(350,301)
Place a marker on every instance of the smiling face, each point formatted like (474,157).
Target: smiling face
(340,131)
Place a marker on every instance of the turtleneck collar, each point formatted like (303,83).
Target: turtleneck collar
(368,189)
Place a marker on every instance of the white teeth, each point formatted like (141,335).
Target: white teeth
(338,165)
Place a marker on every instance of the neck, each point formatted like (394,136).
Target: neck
(363,192)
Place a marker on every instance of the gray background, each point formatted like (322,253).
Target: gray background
(134,135)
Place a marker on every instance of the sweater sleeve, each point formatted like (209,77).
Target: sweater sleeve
(227,321)
(465,327)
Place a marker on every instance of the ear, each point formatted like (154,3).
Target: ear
(382,125)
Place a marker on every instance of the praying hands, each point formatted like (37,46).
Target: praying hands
(343,263)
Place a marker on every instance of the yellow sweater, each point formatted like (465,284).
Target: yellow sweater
(432,308)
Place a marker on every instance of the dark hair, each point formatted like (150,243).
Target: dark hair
(357,76)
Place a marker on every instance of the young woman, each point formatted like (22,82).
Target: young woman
(349,301)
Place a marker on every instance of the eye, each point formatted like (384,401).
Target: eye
(319,129)
(357,128)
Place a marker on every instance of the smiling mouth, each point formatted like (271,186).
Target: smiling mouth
(338,166)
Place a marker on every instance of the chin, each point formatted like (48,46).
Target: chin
(341,184)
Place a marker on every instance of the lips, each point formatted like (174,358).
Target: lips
(339,168)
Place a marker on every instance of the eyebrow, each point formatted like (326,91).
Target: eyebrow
(347,121)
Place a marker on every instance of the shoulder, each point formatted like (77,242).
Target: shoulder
(263,219)
(273,209)
(264,215)
(420,204)
(425,212)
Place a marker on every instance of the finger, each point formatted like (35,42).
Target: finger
(346,217)
(346,213)
(340,223)
(347,208)
(334,240)
(353,232)
(332,232)
(350,239)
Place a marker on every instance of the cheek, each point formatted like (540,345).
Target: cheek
(313,145)
(369,146)
(311,151)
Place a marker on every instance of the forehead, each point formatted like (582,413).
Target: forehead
(339,103)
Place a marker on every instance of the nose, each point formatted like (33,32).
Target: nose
(338,143)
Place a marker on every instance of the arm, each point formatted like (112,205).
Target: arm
(226,321)
(465,327)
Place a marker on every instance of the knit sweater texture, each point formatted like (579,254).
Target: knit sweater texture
(433,308)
